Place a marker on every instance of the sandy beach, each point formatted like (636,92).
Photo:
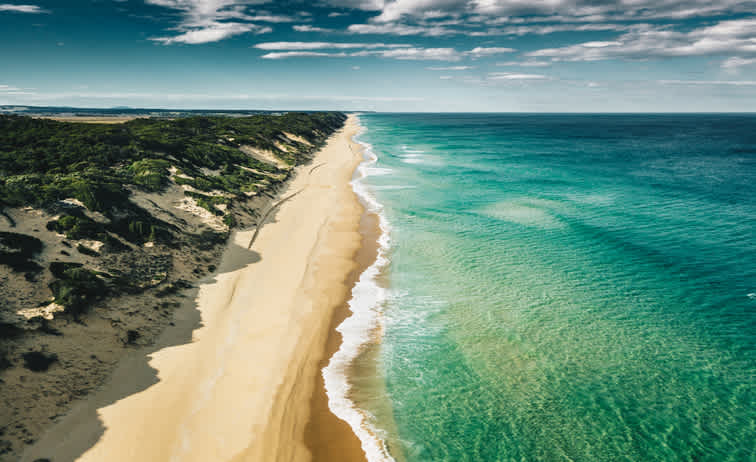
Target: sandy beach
(247,386)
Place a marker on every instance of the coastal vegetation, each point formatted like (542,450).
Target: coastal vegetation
(104,227)
(44,161)
(86,176)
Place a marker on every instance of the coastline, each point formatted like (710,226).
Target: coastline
(328,437)
(244,387)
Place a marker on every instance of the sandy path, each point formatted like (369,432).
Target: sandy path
(241,390)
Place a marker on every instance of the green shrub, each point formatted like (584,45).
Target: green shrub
(229,220)
(77,227)
(77,287)
(150,174)
(58,268)
(44,161)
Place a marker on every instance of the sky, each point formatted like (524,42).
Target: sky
(382,55)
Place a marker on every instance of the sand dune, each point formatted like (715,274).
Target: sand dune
(242,389)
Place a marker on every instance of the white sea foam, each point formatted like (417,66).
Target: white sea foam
(366,303)
(372,171)
(393,187)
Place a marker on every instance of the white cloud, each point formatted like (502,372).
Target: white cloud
(735,63)
(213,33)
(33,9)
(445,77)
(541,29)
(600,44)
(442,29)
(204,21)
(401,29)
(303,54)
(309,28)
(645,41)
(282,50)
(451,68)
(442,18)
(515,76)
(367,5)
(479,52)
(737,83)
(529,63)
(285,46)
(587,10)
(422,54)
(272,18)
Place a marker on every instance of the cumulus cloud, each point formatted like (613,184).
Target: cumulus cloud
(282,50)
(303,54)
(645,41)
(528,63)
(33,9)
(213,33)
(402,29)
(422,54)
(544,29)
(479,52)
(450,68)
(478,29)
(642,20)
(204,21)
(309,28)
(283,46)
(590,10)
(515,76)
(735,63)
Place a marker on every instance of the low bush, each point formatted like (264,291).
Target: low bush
(76,287)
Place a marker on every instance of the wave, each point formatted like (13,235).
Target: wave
(371,171)
(367,299)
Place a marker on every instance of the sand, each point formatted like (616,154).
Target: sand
(244,388)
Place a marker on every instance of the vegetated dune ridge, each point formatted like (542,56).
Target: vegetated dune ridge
(241,390)
(104,229)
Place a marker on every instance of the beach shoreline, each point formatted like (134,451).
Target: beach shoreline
(245,387)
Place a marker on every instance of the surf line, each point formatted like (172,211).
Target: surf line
(275,206)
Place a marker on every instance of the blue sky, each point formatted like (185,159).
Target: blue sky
(384,55)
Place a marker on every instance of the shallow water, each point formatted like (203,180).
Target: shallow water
(566,287)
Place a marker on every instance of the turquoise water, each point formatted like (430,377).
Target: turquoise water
(567,287)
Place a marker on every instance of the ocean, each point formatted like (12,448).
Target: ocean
(555,288)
